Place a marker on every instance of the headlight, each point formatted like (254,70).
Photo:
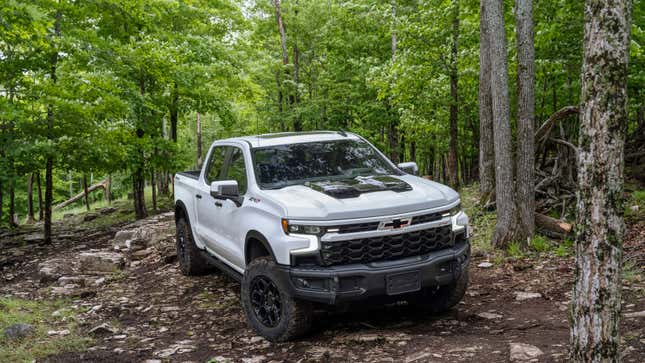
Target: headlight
(453,211)
(301,229)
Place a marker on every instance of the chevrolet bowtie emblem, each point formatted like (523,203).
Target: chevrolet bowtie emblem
(395,224)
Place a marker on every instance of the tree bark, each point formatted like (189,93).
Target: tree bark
(174,111)
(12,206)
(138,188)
(199,141)
(86,192)
(1,202)
(40,196)
(486,152)
(108,189)
(90,189)
(153,186)
(453,169)
(525,118)
(393,140)
(596,297)
(49,159)
(30,198)
(506,227)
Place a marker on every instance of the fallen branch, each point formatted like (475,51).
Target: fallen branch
(552,227)
(101,185)
(545,129)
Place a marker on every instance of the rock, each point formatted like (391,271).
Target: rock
(419,356)
(58,332)
(521,352)
(180,347)
(101,262)
(53,269)
(522,295)
(33,237)
(638,314)
(68,215)
(485,265)
(18,331)
(67,290)
(103,329)
(90,217)
(107,210)
(255,359)
(66,280)
(152,361)
(136,244)
(490,316)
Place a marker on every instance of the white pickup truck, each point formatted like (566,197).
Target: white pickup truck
(318,219)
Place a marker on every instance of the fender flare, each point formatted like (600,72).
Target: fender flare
(181,207)
(253,234)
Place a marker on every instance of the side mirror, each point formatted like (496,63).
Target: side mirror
(226,189)
(410,167)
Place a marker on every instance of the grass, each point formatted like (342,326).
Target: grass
(38,344)
(539,244)
(635,206)
(482,222)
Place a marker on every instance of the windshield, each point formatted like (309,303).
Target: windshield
(283,165)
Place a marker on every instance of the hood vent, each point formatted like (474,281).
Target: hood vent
(352,188)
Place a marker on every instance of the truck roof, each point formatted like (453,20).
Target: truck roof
(286,138)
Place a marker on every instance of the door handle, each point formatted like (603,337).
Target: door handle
(198,196)
(218,204)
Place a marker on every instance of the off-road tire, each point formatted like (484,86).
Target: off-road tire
(191,259)
(444,298)
(296,315)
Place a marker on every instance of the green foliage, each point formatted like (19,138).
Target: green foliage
(515,250)
(38,344)
(539,244)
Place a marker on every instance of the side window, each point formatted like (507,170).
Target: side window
(237,169)
(216,164)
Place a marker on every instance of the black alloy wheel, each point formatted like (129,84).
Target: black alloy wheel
(265,300)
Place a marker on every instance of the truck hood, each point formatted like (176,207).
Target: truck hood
(380,197)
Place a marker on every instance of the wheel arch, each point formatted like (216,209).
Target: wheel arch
(256,245)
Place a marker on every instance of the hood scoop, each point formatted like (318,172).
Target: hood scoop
(352,188)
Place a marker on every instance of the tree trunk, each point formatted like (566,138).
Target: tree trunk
(49,159)
(138,188)
(86,194)
(199,141)
(596,297)
(90,189)
(525,119)
(393,140)
(108,189)
(506,227)
(30,198)
(413,151)
(174,112)
(1,202)
(40,196)
(297,123)
(153,186)
(486,152)
(13,222)
(453,168)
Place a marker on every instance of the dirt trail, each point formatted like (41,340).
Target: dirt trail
(151,311)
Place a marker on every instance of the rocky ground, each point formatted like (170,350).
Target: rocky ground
(129,297)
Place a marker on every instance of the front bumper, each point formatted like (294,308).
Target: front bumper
(338,284)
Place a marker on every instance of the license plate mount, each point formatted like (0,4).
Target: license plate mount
(403,282)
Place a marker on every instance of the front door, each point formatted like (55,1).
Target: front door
(232,237)
(209,218)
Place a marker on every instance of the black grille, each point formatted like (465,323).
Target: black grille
(385,248)
(361,227)
(426,218)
